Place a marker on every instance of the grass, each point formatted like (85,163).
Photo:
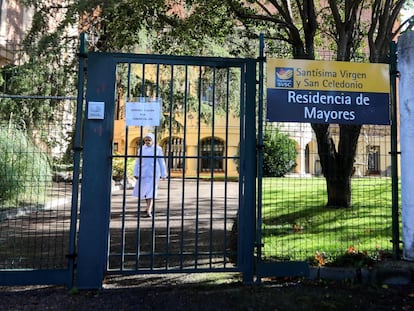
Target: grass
(298,226)
(25,172)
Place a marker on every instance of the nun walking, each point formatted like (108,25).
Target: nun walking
(147,176)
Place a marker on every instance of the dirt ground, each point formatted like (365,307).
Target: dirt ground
(210,292)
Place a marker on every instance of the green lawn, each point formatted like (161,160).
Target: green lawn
(297,225)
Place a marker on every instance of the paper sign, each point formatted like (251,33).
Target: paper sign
(146,112)
(96,110)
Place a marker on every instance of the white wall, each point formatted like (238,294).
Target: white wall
(406,101)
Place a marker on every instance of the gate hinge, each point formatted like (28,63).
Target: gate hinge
(394,152)
(71,256)
(395,73)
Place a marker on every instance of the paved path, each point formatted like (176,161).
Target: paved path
(191,226)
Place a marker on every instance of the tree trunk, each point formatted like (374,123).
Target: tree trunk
(337,165)
(339,191)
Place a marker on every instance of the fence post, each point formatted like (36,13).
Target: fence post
(77,150)
(260,149)
(96,171)
(247,226)
(394,151)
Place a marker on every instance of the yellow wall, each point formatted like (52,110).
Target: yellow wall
(307,164)
(192,138)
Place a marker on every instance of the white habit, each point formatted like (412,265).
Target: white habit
(144,170)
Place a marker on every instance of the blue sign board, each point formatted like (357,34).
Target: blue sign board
(327,92)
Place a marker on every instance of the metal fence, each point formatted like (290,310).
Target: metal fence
(294,222)
(37,219)
(297,225)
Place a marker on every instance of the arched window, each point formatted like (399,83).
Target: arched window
(137,143)
(373,161)
(212,151)
(175,153)
(307,159)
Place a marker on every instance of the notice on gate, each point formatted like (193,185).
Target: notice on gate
(144,112)
(96,110)
(327,92)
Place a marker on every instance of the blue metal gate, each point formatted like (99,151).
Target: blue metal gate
(208,136)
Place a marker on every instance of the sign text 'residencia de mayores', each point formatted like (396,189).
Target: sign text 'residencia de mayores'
(317,98)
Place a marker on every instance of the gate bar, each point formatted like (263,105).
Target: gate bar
(77,149)
(259,147)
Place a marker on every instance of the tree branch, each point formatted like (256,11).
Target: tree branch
(383,18)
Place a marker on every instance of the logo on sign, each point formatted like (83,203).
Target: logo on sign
(284,77)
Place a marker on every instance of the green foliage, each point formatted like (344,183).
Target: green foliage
(279,156)
(74,291)
(205,28)
(353,258)
(36,86)
(24,169)
(118,167)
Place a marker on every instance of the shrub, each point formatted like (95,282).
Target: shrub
(24,169)
(279,156)
(118,166)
